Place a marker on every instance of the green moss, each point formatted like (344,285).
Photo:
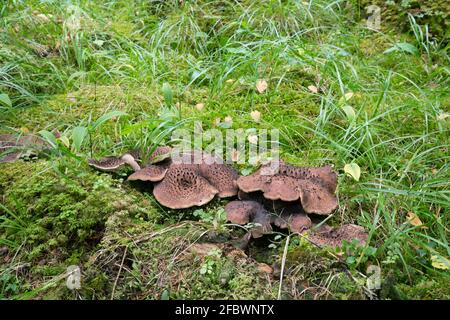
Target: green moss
(429,289)
(61,207)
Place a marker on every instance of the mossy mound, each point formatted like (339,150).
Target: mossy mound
(60,207)
(146,261)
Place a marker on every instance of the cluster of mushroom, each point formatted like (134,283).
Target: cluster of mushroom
(193,180)
(287,196)
(13,147)
(277,194)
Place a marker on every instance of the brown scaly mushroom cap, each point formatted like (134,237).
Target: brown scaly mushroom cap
(113,163)
(156,171)
(334,237)
(160,154)
(184,187)
(287,215)
(314,187)
(153,172)
(222,176)
(295,222)
(12,145)
(243,212)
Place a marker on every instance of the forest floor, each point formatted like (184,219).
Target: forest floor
(129,72)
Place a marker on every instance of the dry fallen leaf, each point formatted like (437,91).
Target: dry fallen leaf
(414,219)
(235,154)
(216,122)
(313,89)
(71,98)
(199,106)
(265,268)
(256,115)
(202,249)
(261,85)
(228,119)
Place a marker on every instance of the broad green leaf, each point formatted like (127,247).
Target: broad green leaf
(404,47)
(5,100)
(165,295)
(353,170)
(49,137)
(106,117)
(78,136)
(225,125)
(349,112)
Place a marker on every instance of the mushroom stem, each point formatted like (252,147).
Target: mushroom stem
(129,159)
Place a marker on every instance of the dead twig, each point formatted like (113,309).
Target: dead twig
(118,274)
(283,263)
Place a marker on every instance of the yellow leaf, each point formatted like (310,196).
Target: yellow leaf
(313,89)
(65,141)
(261,85)
(216,122)
(353,170)
(256,115)
(414,219)
(346,98)
(348,95)
(439,262)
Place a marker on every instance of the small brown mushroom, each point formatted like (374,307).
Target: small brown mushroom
(314,187)
(152,173)
(113,163)
(334,237)
(243,212)
(12,146)
(295,222)
(160,154)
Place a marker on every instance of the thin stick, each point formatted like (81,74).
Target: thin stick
(283,262)
(118,274)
